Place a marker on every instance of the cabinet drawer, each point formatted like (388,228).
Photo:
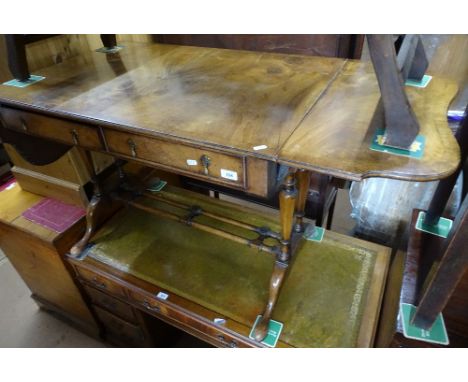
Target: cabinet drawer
(148,302)
(198,162)
(111,304)
(54,128)
(120,330)
(101,282)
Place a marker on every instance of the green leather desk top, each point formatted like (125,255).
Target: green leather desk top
(330,298)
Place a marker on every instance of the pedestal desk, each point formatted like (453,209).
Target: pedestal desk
(229,118)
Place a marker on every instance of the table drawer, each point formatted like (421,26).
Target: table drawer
(57,129)
(192,161)
(101,282)
(120,330)
(111,304)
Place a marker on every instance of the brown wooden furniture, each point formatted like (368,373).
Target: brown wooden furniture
(16,47)
(322,190)
(226,117)
(213,288)
(66,179)
(344,46)
(433,276)
(37,254)
(435,273)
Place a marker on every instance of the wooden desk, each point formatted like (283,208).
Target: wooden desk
(227,117)
(331,297)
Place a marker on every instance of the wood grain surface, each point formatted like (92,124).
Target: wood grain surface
(310,112)
(336,134)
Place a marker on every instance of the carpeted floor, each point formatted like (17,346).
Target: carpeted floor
(23,324)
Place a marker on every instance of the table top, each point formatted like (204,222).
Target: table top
(309,112)
(330,298)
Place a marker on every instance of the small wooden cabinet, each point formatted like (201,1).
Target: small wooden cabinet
(37,255)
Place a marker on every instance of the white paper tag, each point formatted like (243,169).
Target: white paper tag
(261,147)
(219,321)
(192,162)
(228,174)
(162,295)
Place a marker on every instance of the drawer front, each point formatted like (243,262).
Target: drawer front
(209,331)
(111,304)
(54,128)
(147,302)
(205,164)
(101,282)
(119,329)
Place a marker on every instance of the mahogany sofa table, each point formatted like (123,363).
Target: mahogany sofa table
(226,117)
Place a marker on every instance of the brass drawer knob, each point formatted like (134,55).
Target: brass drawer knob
(205,161)
(233,344)
(24,126)
(98,283)
(74,135)
(132,146)
(222,339)
(148,306)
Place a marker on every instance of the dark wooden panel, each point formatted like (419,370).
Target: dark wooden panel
(111,304)
(100,282)
(329,45)
(120,331)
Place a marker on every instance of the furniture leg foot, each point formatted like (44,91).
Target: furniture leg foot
(92,217)
(279,272)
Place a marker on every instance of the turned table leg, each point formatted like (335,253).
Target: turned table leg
(303,181)
(93,210)
(287,204)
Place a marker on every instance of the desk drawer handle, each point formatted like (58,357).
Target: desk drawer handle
(74,135)
(205,161)
(133,147)
(98,283)
(109,305)
(24,127)
(148,306)
(231,344)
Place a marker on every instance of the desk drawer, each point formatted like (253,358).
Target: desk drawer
(201,163)
(145,300)
(101,282)
(54,128)
(111,304)
(119,330)
(191,323)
